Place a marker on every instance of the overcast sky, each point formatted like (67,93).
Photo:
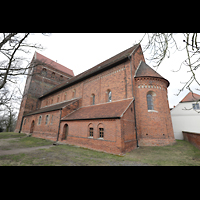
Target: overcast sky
(81,51)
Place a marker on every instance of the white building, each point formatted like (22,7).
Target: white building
(185,116)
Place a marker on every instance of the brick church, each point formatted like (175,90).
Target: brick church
(115,107)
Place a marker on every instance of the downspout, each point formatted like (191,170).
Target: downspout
(135,123)
(133,102)
(21,124)
(58,127)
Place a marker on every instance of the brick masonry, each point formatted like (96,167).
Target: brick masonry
(153,127)
(193,138)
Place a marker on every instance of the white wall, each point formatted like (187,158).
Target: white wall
(185,120)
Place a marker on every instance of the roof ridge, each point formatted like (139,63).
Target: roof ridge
(190,97)
(96,69)
(54,64)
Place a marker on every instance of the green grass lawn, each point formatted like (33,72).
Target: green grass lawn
(6,135)
(180,154)
(19,140)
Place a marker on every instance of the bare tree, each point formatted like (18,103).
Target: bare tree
(11,62)
(8,119)
(161,45)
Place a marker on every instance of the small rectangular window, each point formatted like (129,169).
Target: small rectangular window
(195,106)
(91,132)
(101,132)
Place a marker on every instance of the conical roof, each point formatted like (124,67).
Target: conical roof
(145,70)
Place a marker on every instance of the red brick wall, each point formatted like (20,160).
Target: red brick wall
(117,79)
(154,128)
(43,130)
(128,130)
(71,108)
(193,138)
(79,134)
(69,95)
(36,85)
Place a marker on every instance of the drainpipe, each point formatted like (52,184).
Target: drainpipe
(133,102)
(135,123)
(21,124)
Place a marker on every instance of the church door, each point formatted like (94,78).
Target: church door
(65,131)
(32,126)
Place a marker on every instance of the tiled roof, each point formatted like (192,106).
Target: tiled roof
(96,69)
(101,111)
(53,107)
(190,97)
(56,65)
(144,70)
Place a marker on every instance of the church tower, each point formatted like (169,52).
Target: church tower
(43,75)
(154,124)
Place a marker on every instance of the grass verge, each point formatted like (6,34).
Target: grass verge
(6,135)
(181,153)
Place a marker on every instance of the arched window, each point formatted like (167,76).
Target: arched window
(109,96)
(74,93)
(101,131)
(52,101)
(150,100)
(93,99)
(91,130)
(53,75)
(39,120)
(44,72)
(47,119)
(58,98)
